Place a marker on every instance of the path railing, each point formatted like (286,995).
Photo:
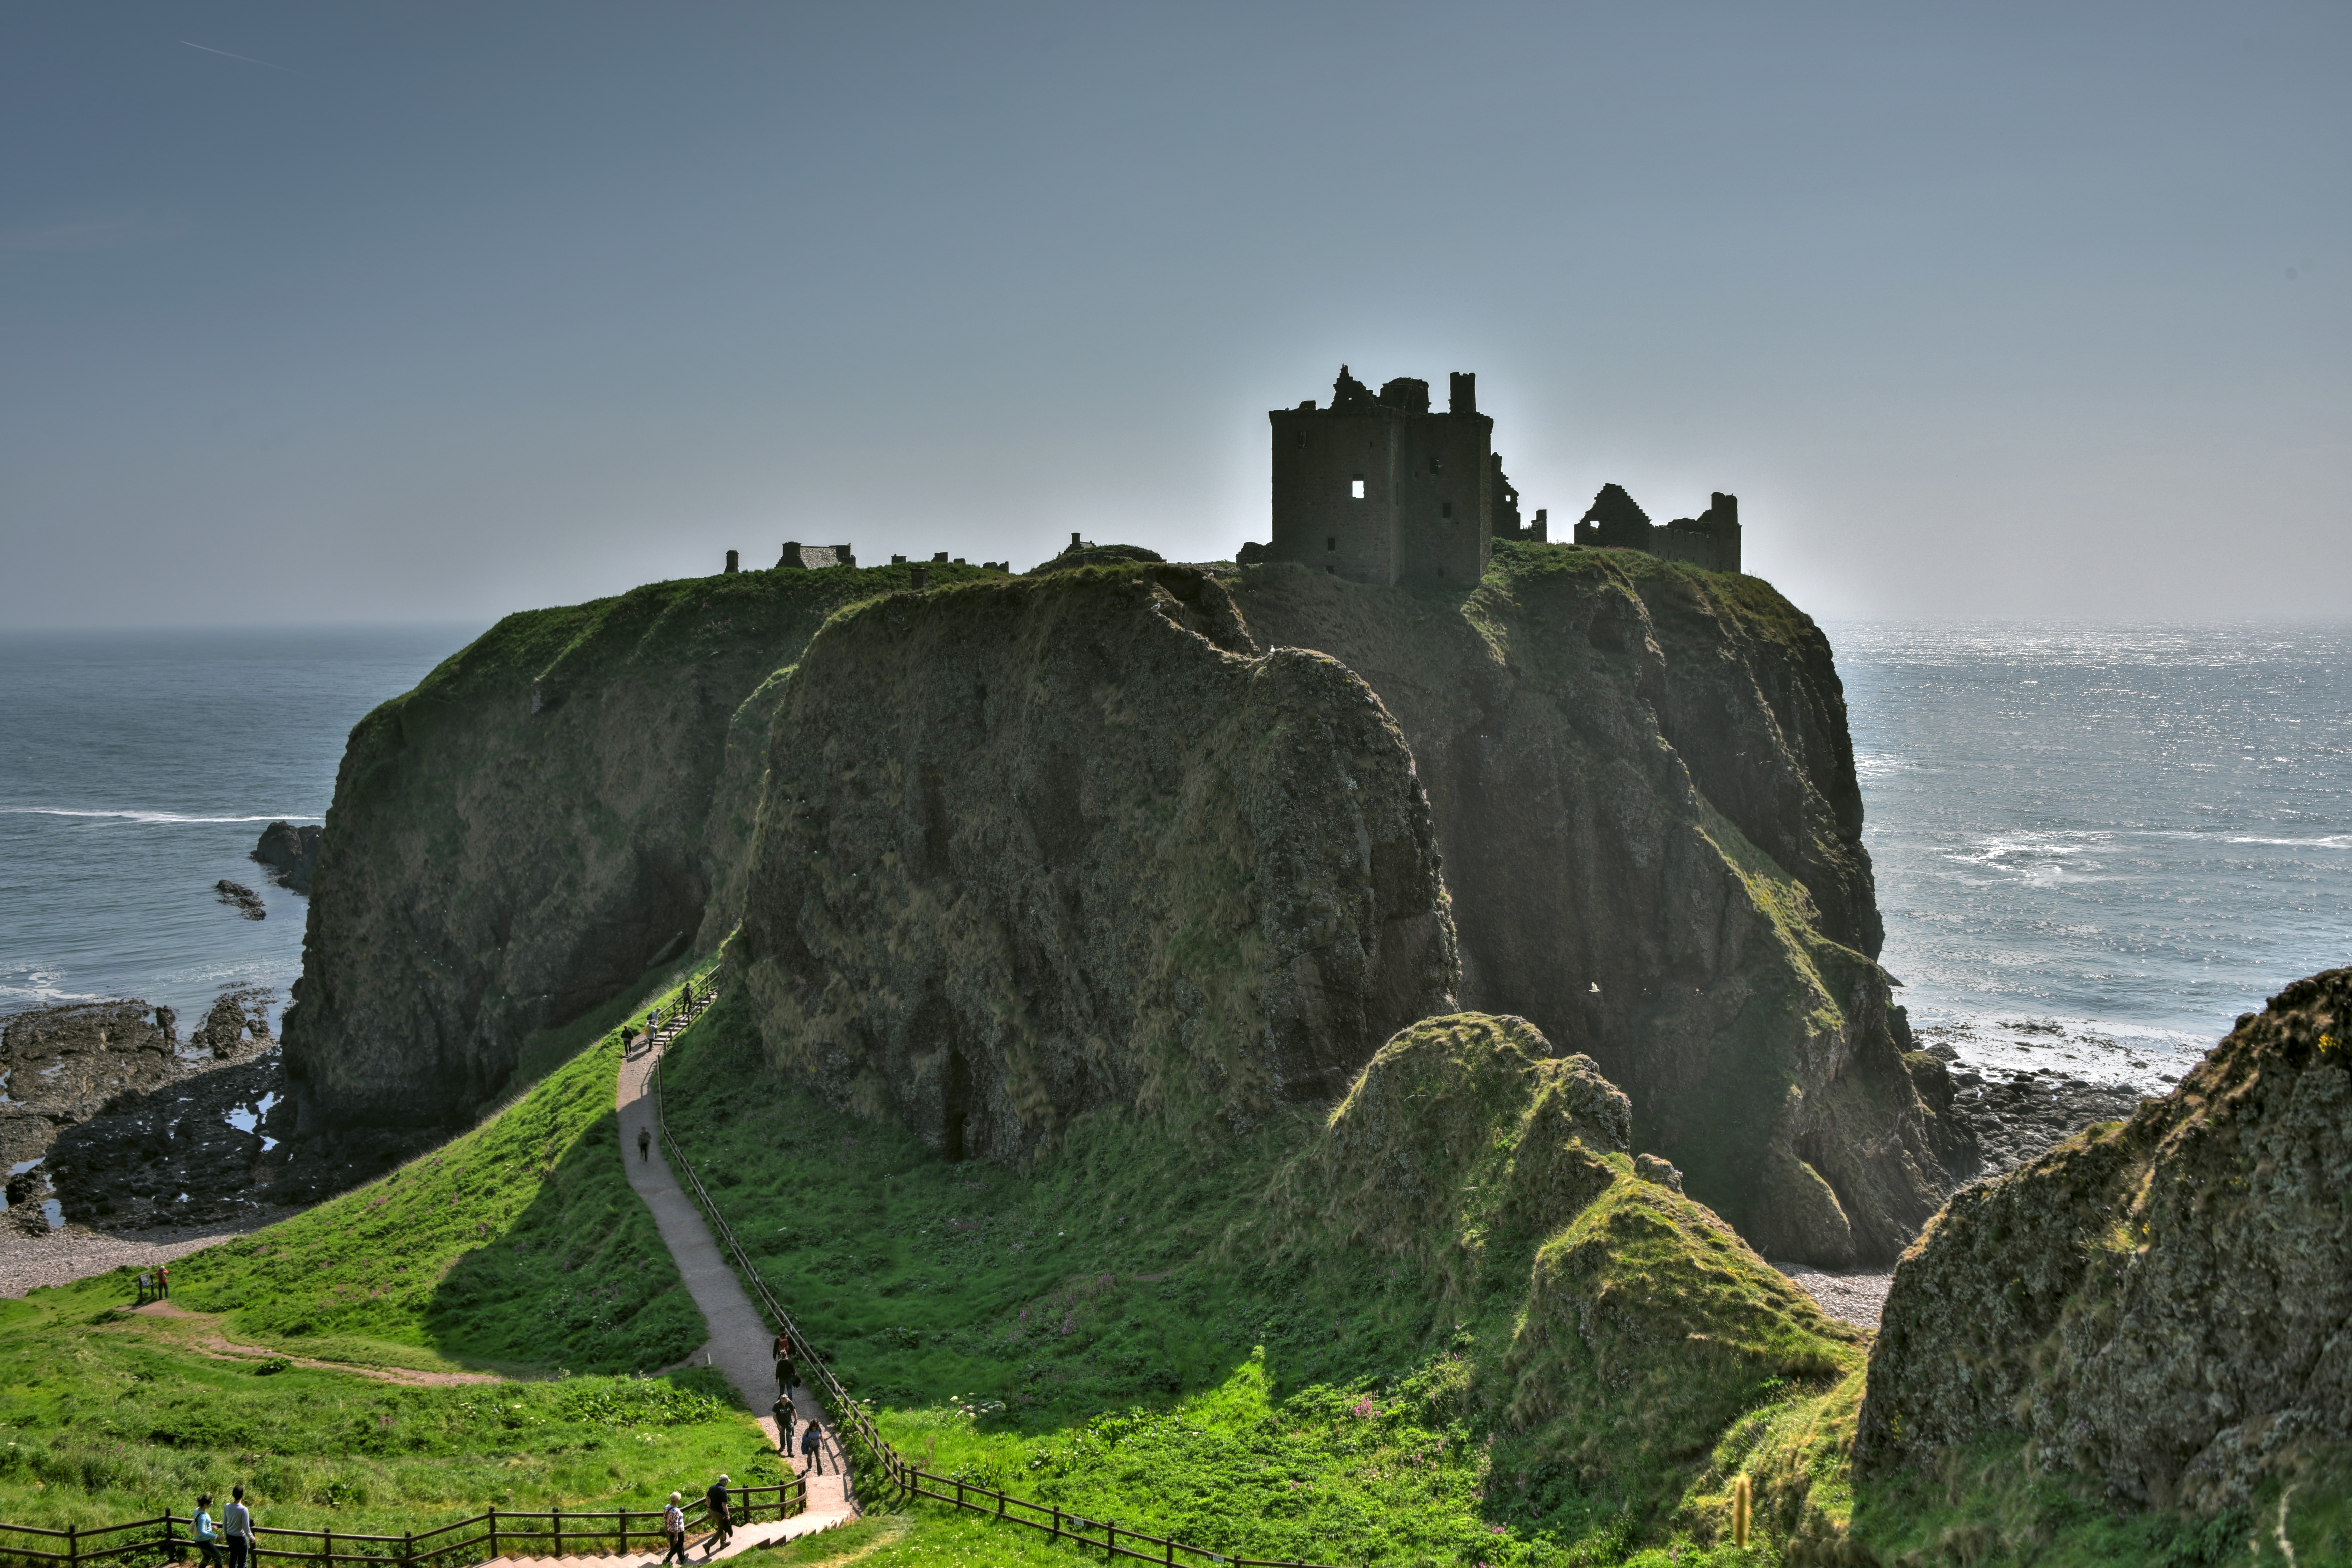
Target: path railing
(500,1532)
(910,1479)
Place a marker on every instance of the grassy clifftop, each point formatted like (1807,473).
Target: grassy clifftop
(549,811)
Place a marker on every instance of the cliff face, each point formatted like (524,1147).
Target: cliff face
(516,840)
(2164,1304)
(1643,792)
(1034,847)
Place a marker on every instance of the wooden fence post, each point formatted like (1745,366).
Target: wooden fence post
(493,1530)
(556,1514)
(73,1546)
(331,1549)
(1057,1523)
(408,1549)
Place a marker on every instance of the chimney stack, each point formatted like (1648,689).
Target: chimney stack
(734,561)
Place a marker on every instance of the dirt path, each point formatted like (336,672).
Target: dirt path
(740,1337)
(203,1337)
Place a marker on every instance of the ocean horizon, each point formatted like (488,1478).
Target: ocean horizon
(2095,843)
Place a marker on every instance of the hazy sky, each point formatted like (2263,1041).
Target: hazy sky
(435,311)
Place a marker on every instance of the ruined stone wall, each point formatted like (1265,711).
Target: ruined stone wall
(1318,522)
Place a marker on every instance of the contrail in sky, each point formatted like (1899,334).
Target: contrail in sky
(248,59)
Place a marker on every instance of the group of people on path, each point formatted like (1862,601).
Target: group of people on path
(234,1529)
(812,1435)
(719,1517)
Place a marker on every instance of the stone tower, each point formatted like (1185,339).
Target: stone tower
(1377,489)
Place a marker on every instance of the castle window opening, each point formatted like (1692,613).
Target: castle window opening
(1445,510)
(1331,542)
(1436,465)
(1356,488)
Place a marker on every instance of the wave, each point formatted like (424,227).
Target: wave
(165,817)
(2332,841)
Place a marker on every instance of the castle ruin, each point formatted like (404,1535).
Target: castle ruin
(1378,488)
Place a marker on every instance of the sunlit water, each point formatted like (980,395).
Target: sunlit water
(2134,834)
(2094,846)
(137,768)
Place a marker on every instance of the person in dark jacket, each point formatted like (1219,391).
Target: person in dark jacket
(644,1144)
(784,1424)
(813,1447)
(722,1523)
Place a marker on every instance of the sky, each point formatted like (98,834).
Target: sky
(400,312)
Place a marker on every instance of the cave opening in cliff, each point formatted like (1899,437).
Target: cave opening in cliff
(955,1098)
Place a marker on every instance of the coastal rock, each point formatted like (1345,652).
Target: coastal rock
(242,899)
(1038,846)
(1643,792)
(290,853)
(516,840)
(2162,1304)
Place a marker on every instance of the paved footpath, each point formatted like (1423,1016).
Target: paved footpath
(740,1337)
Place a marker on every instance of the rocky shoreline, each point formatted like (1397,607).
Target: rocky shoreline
(108,1120)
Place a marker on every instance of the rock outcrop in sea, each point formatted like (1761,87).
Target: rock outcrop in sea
(290,853)
(2163,1304)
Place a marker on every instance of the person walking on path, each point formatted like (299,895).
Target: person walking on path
(163,1282)
(674,1526)
(784,1426)
(722,1523)
(207,1538)
(812,1448)
(237,1521)
(645,1143)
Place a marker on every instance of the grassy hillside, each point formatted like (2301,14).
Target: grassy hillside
(1170,1334)
(518,1247)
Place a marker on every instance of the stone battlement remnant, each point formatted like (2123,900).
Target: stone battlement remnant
(1377,489)
(1711,539)
(815,557)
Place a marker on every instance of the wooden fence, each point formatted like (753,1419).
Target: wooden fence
(555,1532)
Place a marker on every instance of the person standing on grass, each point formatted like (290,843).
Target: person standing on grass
(644,1144)
(236,1520)
(207,1538)
(163,1282)
(722,1523)
(674,1526)
(812,1448)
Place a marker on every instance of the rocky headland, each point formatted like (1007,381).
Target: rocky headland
(1202,838)
(2162,1304)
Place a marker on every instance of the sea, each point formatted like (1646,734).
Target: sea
(137,770)
(2095,844)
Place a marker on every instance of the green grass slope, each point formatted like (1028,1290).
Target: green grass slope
(1183,1334)
(518,1247)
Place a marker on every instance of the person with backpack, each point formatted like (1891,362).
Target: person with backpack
(237,1521)
(674,1526)
(207,1537)
(812,1448)
(722,1522)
